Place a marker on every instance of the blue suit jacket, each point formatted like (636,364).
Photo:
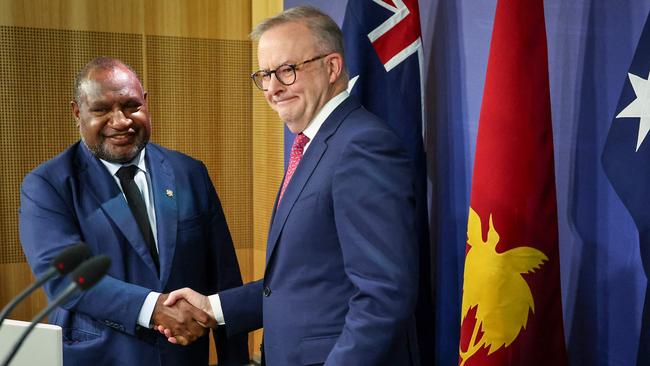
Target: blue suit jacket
(73,197)
(341,277)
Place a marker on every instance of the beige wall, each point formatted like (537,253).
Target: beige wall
(269,164)
(194,57)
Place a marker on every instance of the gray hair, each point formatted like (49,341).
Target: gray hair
(327,32)
(101,63)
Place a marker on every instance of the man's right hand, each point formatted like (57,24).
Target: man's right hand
(187,295)
(186,322)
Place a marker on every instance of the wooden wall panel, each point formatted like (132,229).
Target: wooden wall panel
(194,57)
(38,67)
(14,278)
(216,19)
(199,98)
(268,158)
(116,16)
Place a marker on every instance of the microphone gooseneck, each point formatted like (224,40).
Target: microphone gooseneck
(66,261)
(83,278)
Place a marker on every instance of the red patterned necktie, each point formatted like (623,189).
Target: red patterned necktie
(296,154)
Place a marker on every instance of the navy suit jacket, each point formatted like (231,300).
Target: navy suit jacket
(341,277)
(73,197)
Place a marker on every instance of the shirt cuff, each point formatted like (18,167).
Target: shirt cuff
(215,303)
(144,318)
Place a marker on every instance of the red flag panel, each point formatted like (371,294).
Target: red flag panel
(511,309)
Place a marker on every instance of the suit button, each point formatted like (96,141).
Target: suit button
(267,291)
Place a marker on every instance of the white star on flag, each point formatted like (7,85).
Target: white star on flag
(640,107)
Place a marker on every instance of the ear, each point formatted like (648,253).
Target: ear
(335,66)
(75,111)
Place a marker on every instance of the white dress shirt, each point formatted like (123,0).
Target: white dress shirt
(143,180)
(310,131)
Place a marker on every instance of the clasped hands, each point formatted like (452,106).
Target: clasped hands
(183,316)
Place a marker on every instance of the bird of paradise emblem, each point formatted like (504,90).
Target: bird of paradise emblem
(495,288)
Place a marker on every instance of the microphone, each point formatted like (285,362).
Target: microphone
(83,278)
(67,260)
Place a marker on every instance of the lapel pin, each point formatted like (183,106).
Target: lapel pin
(169,193)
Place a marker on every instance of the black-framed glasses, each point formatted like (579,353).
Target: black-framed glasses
(286,74)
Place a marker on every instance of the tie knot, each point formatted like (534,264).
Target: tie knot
(127,172)
(300,141)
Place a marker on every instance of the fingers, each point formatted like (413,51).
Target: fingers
(179,340)
(177,295)
(187,330)
(178,321)
(183,316)
(200,316)
(167,333)
(192,297)
(182,323)
(211,323)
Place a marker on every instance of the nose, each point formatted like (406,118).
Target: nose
(274,85)
(119,119)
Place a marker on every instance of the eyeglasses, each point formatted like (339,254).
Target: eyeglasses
(286,74)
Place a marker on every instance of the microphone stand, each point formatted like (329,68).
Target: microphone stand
(66,261)
(83,278)
(64,296)
(12,304)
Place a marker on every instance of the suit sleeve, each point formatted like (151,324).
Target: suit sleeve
(47,225)
(242,308)
(376,228)
(232,349)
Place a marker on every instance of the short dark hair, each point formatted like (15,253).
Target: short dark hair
(101,63)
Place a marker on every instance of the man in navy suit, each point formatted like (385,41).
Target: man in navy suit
(179,236)
(341,265)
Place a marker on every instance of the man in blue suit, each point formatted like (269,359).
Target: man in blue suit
(341,265)
(161,224)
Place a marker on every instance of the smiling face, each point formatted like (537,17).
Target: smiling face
(316,82)
(112,115)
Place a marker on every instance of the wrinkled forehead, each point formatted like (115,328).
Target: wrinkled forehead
(286,43)
(115,81)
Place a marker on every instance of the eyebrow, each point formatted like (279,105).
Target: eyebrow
(280,64)
(96,104)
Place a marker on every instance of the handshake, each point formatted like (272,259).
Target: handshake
(183,316)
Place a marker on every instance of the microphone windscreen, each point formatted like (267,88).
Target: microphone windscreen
(91,271)
(71,257)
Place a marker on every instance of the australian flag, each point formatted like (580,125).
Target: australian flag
(383,49)
(626,160)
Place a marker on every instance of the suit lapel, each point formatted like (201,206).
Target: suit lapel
(163,188)
(95,177)
(307,165)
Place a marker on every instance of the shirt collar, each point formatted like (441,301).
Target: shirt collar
(137,160)
(321,116)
